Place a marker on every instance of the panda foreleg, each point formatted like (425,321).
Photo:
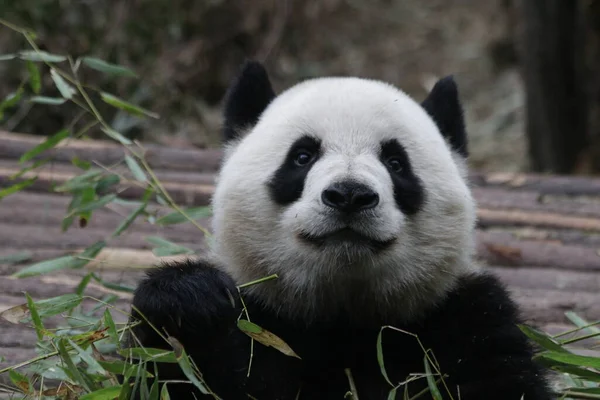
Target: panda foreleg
(478,343)
(198,305)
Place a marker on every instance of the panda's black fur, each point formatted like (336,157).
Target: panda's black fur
(472,333)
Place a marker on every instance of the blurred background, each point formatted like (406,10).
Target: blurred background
(527,70)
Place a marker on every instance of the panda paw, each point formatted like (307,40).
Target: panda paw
(189,300)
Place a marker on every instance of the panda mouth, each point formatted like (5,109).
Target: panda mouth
(346,236)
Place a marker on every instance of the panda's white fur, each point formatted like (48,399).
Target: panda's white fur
(254,237)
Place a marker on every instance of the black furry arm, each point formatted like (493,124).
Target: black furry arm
(479,345)
(198,305)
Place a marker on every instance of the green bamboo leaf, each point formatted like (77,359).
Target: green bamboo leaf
(392,394)
(108,393)
(66,90)
(35,317)
(10,101)
(572,359)
(70,367)
(185,365)
(132,217)
(435,392)
(164,393)
(49,143)
(112,328)
(154,391)
(126,106)
(176,217)
(542,339)
(35,80)
(108,68)
(93,366)
(56,101)
(113,286)
(136,170)
(33,166)
(59,304)
(65,262)
(582,323)
(46,266)
(117,136)
(93,205)
(82,181)
(17,187)
(17,257)
(33,55)
(84,165)
(44,308)
(149,354)
(106,182)
(380,357)
(21,381)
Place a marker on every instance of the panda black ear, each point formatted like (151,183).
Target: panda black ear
(246,99)
(443,105)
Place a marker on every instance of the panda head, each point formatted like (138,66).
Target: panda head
(347,189)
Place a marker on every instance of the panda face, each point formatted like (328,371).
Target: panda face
(342,182)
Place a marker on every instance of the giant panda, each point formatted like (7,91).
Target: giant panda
(355,196)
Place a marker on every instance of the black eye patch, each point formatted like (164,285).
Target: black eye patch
(287,183)
(408,189)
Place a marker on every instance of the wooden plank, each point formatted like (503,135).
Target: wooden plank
(13,146)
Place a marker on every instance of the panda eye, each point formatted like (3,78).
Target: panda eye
(394,164)
(302,158)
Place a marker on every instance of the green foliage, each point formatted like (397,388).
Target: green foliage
(80,352)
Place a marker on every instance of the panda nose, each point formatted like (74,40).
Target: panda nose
(350,197)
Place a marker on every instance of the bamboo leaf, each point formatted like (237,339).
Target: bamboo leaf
(35,80)
(117,136)
(572,359)
(93,205)
(107,68)
(33,55)
(542,339)
(10,101)
(45,308)
(21,381)
(49,143)
(16,258)
(66,90)
(265,337)
(17,187)
(112,329)
(65,262)
(7,57)
(56,101)
(176,217)
(149,354)
(126,106)
(130,218)
(136,170)
(185,365)
(435,392)
(35,317)
(108,393)
(380,357)
(71,369)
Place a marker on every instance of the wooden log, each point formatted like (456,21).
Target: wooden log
(13,146)
(543,184)
(46,181)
